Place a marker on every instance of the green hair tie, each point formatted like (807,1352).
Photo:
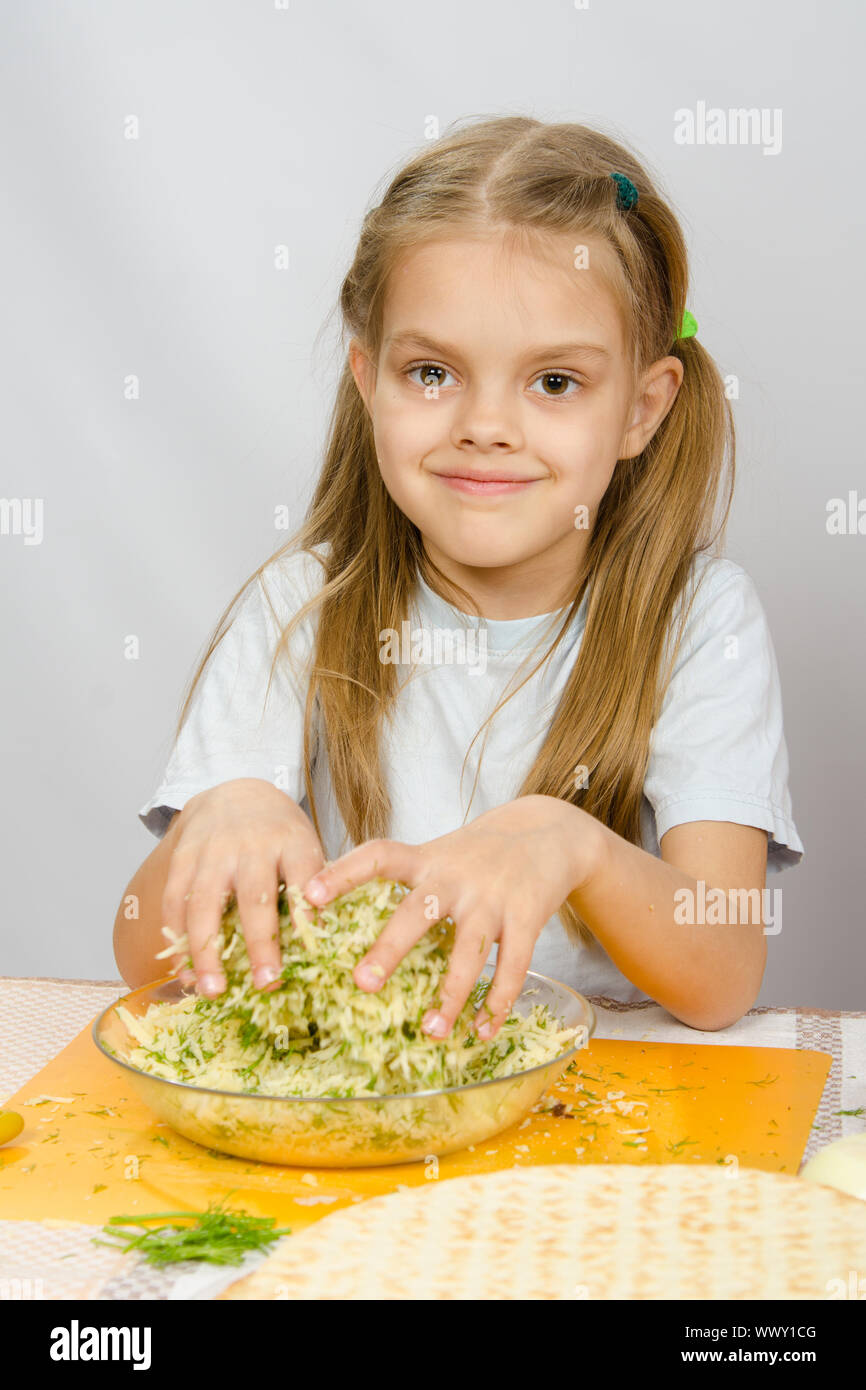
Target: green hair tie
(626,193)
(689,326)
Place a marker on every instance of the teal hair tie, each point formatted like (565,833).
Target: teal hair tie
(688,327)
(626,193)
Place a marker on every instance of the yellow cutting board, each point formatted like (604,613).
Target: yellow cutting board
(92,1150)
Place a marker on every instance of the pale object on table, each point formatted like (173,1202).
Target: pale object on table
(841,1164)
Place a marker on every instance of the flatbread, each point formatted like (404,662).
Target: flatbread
(579,1231)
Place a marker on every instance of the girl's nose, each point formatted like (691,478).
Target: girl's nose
(487,421)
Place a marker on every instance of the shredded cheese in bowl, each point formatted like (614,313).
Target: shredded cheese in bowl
(317,1034)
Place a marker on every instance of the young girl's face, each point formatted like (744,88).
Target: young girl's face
(501,401)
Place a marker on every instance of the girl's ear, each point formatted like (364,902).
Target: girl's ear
(363,371)
(656,395)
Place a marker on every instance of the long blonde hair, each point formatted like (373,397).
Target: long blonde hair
(658,512)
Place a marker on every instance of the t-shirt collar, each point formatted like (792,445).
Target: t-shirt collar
(503,634)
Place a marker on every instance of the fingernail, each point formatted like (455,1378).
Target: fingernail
(485,1030)
(369,976)
(264,975)
(211,984)
(435,1025)
(315,890)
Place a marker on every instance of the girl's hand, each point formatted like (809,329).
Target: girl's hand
(245,836)
(500,878)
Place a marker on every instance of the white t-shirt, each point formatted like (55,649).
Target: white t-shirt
(717,751)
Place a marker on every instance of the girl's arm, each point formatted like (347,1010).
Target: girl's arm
(706,975)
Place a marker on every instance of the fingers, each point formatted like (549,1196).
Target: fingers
(472,941)
(205,902)
(373,859)
(513,960)
(192,904)
(243,837)
(406,926)
(256,879)
(196,893)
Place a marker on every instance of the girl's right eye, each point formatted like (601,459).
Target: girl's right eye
(428,372)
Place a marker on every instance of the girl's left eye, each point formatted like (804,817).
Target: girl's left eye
(559,382)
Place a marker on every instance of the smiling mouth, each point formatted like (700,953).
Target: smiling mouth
(484,486)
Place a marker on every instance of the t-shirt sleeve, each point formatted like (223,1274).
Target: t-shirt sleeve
(231,730)
(717,750)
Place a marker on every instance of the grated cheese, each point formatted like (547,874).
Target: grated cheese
(318,1034)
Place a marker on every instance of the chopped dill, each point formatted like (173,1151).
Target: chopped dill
(218,1236)
(677,1146)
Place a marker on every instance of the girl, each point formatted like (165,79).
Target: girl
(499,658)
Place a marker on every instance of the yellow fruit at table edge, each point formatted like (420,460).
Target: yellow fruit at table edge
(11,1125)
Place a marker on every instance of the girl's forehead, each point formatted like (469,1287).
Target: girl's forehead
(518,276)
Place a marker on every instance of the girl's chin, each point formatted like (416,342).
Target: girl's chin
(478,556)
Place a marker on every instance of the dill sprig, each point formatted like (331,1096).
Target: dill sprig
(221,1236)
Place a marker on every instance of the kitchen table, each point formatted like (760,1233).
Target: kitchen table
(38,1017)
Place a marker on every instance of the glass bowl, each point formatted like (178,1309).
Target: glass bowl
(338,1132)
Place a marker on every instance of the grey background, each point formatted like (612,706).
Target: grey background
(261,126)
